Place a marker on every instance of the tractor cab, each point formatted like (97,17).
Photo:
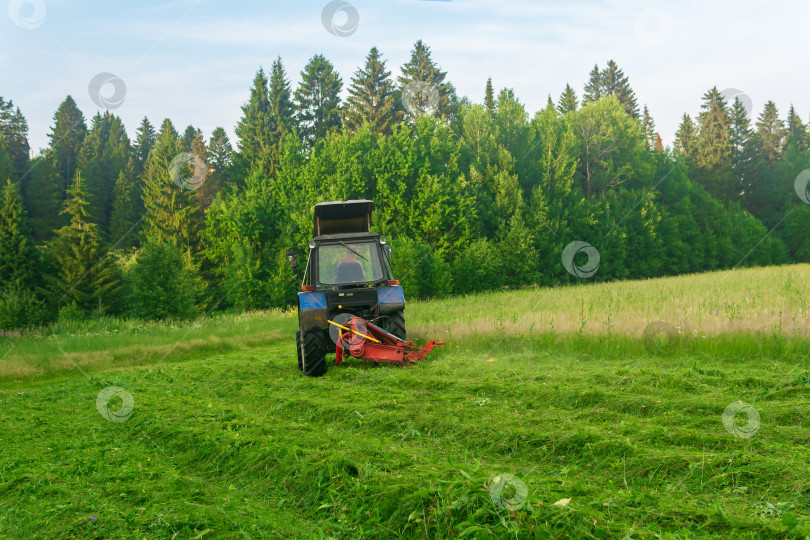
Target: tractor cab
(348,274)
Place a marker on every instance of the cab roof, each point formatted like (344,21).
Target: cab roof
(342,217)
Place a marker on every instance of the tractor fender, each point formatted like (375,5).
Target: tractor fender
(312,310)
(390,299)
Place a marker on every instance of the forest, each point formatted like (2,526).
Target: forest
(474,193)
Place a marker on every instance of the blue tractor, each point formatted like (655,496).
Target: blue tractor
(348,276)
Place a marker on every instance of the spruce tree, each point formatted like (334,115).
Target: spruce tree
(371,101)
(207,190)
(188,138)
(568,100)
(281,103)
(144,142)
(125,211)
(713,159)
(67,136)
(254,128)
(649,129)
(593,88)
(170,210)
(743,164)
(771,133)
(17,253)
(86,274)
(317,100)
(43,198)
(686,140)
(615,83)
(428,93)
(13,140)
(220,156)
(489,99)
(105,152)
(796,130)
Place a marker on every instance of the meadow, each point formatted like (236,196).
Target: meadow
(602,410)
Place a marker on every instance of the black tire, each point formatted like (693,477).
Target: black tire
(313,352)
(298,348)
(396,325)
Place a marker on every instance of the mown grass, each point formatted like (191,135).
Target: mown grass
(235,443)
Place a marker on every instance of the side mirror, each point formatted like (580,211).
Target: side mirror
(292,259)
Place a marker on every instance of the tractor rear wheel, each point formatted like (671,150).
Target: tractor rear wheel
(396,325)
(313,352)
(298,348)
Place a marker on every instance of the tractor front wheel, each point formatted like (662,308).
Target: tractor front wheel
(312,351)
(396,325)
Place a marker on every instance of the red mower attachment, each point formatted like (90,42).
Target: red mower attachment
(368,341)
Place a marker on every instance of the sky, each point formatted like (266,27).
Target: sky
(193,61)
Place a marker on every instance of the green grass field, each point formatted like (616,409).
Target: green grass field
(613,434)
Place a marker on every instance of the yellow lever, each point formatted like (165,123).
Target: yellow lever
(353,331)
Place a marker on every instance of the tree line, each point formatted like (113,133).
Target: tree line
(473,195)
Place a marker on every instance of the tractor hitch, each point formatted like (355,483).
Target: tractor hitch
(367,341)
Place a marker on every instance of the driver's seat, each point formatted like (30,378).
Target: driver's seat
(350,272)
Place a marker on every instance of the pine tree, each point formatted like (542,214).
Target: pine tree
(771,133)
(489,99)
(428,93)
(371,101)
(86,274)
(67,136)
(144,142)
(593,88)
(317,100)
(17,253)
(568,100)
(713,159)
(796,130)
(686,140)
(170,210)
(254,128)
